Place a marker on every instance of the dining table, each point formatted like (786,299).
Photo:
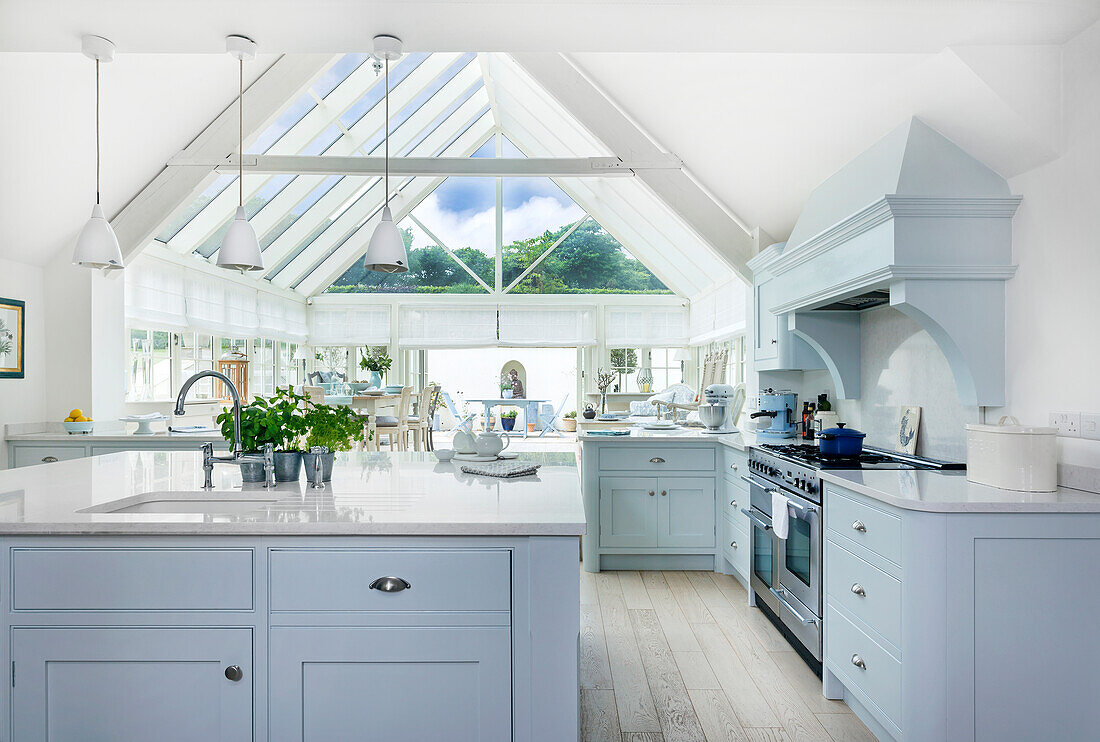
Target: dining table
(368,406)
(530,409)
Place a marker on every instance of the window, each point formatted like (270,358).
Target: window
(196,353)
(150,366)
(288,368)
(332,358)
(263,367)
(624,363)
(666,369)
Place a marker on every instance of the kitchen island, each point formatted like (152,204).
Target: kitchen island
(405,601)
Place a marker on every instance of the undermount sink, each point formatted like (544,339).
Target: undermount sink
(185,502)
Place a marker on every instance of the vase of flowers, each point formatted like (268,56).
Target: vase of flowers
(506,389)
(604,379)
(378,363)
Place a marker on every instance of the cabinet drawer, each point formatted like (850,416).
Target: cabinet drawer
(320,580)
(734,462)
(879,680)
(735,498)
(736,547)
(32,455)
(131,579)
(656,459)
(869,527)
(870,594)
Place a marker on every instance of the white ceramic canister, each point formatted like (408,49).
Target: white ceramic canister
(1011,456)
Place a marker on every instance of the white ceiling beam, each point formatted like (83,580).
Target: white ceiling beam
(486,75)
(443,167)
(173,188)
(593,109)
(460,119)
(322,273)
(221,208)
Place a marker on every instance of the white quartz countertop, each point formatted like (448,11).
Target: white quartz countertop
(951,492)
(120,437)
(740,441)
(371,493)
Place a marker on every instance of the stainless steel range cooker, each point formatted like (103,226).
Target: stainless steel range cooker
(786,573)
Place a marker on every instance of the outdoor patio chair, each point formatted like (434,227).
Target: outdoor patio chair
(461,421)
(552,423)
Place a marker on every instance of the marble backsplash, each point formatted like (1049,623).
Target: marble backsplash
(901,365)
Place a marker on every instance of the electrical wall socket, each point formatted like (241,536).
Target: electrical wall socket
(1068,423)
(1090,425)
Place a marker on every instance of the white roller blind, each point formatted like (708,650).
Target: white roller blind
(636,327)
(720,314)
(548,327)
(282,318)
(447,327)
(349,325)
(155,296)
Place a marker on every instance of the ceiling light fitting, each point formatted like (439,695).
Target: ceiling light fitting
(386,249)
(97,245)
(240,249)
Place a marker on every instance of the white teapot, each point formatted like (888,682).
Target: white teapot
(464,442)
(490,444)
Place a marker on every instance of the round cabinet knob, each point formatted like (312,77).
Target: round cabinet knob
(234,673)
(733,503)
(664,493)
(858,590)
(733,544)
(652,493)
(858,662)
(733,466)
(390,584)
(858,526)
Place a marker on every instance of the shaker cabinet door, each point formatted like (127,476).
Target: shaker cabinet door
(685,512)
(391,684)
(628,512)
(132,684)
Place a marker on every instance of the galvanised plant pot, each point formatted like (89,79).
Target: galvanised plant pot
(288,466)
(252,472)
(327,460)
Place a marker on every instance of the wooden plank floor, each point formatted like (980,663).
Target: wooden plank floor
(681,657)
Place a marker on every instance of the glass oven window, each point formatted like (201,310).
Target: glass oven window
(797,550)
(762,545)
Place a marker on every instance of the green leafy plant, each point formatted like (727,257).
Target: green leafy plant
(279,420)
(505,383)
(336,427)
(571,415)
(376,361)
(509,414)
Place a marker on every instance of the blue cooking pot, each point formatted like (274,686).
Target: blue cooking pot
(841,441)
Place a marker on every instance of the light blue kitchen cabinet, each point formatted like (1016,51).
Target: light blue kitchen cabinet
(131,684)
(685,512)
(628,511)
(331,680)
(961,626)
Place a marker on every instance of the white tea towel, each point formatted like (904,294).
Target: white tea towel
(506,469)
(780,519)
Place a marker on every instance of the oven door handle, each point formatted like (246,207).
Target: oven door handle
(812,621)
(756,519)
(802,512)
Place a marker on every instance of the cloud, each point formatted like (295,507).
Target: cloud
(478,228)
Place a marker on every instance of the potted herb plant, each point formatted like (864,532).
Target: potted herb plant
(508,419)
(569,422)
(330,428)
(279,420)
(378,363)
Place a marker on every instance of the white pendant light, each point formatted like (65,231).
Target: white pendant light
(97,246)
(240,249)
(386,250)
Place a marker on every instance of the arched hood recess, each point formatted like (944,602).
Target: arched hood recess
(915,221)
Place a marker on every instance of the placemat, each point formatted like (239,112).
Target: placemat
(505,469)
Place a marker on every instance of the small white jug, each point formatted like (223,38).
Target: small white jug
(490,444)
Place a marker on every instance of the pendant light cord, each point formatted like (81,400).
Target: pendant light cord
(240,137)
(97,130)
(387,130)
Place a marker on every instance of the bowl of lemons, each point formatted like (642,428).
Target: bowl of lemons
(77,424)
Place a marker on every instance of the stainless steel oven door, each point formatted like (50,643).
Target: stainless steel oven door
(800,553)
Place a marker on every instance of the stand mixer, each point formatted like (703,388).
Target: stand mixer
(722,407)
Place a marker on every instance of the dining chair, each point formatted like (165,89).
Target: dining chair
(396,427)
(462,422)
(315,393)
(421,423)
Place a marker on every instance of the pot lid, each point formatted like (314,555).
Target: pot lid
(842,432)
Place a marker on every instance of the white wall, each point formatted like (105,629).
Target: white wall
(1054,300)
(24,400)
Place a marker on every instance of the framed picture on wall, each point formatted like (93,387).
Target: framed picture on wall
(12,328)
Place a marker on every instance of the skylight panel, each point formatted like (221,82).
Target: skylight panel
(337,73)
(299,209)
(173,227)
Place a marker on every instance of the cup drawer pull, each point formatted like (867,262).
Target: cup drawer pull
(858,526)
(858,590)
(390,584)
(656,460)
